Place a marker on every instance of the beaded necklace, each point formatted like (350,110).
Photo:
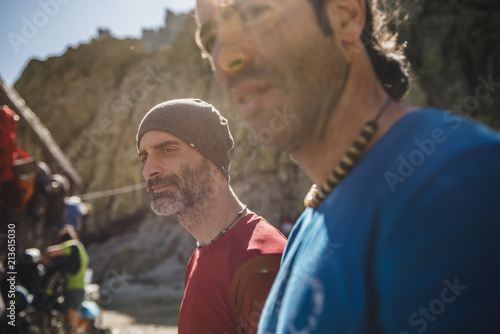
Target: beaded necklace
(315,195)
(224,230)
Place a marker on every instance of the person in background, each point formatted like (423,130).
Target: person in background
(286,225)
(74,258)
(75,213)
(402,225)
(183,145)
(59,190)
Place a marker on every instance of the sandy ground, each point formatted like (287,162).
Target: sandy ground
(144,320)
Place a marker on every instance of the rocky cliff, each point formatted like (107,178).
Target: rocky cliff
(92,99)
(455,54)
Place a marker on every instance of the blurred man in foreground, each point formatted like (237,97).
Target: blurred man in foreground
(402,224)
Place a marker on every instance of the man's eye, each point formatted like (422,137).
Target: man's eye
(168,150)
(252,13)
(142,159)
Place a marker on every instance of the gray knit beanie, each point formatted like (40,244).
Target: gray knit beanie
(197,123)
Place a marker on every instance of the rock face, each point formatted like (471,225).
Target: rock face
(454,50)
(93,97)
(106,88)
(153,39)
(144,266)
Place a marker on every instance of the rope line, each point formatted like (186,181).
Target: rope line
(112,192)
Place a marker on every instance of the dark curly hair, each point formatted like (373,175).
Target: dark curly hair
(388,59)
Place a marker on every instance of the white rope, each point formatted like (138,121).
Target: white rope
(112,192)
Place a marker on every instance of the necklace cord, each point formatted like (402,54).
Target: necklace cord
(381,111)
(221,233)
(316,195)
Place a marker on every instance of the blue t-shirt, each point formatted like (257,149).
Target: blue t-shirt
(408,242)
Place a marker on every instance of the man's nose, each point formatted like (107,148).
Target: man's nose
(229,53)
(151,168)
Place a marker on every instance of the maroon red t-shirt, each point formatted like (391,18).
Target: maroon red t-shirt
(227,282)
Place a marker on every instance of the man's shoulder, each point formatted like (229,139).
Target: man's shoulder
(428,141)
(261,228)
(435,160)
(440,125)
(258,235)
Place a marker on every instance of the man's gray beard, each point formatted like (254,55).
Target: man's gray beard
(165,205)
(192,185)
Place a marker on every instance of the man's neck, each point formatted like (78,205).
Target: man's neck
(204,221)
(363,97)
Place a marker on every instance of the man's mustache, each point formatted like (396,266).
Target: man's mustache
(248,74)
(167,179)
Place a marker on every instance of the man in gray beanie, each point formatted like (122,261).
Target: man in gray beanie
(195,122)
(183,145)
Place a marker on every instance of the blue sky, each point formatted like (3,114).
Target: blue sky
(43,28)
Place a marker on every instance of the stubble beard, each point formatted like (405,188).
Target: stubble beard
(306,101)
(192,186)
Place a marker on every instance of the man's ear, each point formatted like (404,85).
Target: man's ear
(217,173)
(347,18)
